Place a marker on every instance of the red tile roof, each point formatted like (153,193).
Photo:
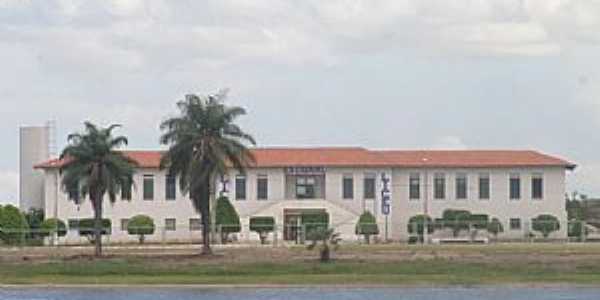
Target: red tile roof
(354,156)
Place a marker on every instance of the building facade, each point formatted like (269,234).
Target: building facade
(286,183)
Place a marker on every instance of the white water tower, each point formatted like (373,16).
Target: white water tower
(35,147)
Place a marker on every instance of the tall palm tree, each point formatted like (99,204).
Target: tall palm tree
(95,168)
(204,142)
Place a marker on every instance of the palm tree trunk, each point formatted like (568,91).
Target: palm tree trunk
(98,225)
(205,215)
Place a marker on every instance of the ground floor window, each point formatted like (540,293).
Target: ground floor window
(515,224)
(195,225)
(170,224)
(124,224)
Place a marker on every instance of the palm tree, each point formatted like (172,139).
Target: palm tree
(328,239)
(95,168)
(203,143)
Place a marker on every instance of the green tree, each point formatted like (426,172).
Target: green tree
(52,226)
(227,218)
(545,224)
(95,168)
(313,222)
(456,220)
(495,227)
(263,226)
(204,142)
(367,226)
(324,240)
(89,229)
(13,225)
(141,225)
(34,217)
(416,225)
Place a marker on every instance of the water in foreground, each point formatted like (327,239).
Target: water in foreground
(503,293)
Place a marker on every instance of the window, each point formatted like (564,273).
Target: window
(484,186)
(439,186)
(348,187)
(414,189)
(170,224)
(515,186)
(369,186)
(537,186)
(515,224)
(73,191)
(461,186)
(124,224)
(262,187)
(148,187)
(126,190)
(305,187)
(195,225)
(240,187)
(170,187)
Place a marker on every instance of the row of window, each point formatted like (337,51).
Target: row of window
(462,186)
(305,187)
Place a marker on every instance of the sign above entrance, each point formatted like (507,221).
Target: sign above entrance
(305,170)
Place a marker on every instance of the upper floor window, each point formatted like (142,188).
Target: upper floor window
(369,186)
(461,186)
(148,187)
(484,186)
(515,186)
(170,187)
(305,187)
(262,187)
(439,186)
(348,187)
(240,187)
(537,186)
(414,186)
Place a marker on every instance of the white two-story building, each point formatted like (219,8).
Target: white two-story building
(285,183)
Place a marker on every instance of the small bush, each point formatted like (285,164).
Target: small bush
(141,225)
(545,224)
(416,225)
(86,228)
(227,218)
(456,220)
(479,221)
(13,225)
(53,226)
(263,226)
(367,226)
(495,227)
(314,222)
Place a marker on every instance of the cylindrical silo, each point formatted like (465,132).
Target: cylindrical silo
(34,149)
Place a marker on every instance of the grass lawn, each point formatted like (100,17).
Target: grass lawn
(393,265)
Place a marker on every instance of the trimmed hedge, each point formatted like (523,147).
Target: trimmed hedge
(141,225)
(545,224)
(227,219)
(263,226)
(53,226)
(367,226)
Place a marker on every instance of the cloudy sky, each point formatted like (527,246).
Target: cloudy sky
(381,74)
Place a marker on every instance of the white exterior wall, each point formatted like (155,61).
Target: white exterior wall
(33,148)
(344,213)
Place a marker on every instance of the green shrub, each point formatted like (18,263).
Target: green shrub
(479,221)
(53,226)
(577,230)
(34,217)
(416,225)
(367,226)
(141,225)
(13,225)
(227,218)
(456,220)
(313,222)
(263,226)
(545,224)
(495,227)
(86,228)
